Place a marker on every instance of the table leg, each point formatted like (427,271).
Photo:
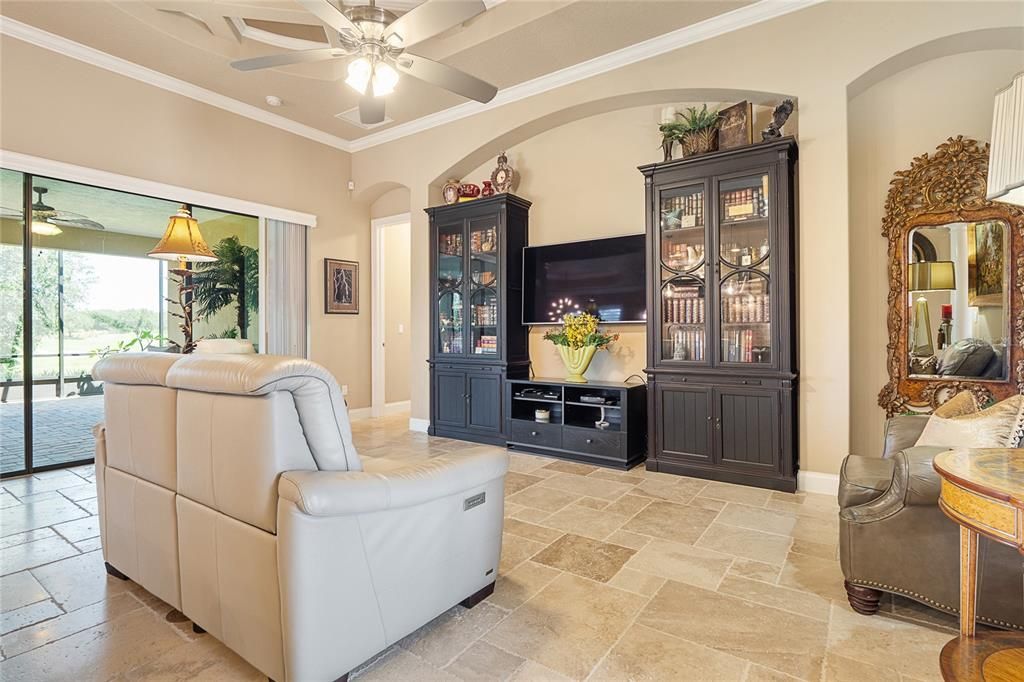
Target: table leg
(968,579)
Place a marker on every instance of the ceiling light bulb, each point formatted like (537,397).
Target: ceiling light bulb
(385,78)
(359,72)
(45,228)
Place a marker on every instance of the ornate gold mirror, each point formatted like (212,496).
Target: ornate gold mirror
(956,283)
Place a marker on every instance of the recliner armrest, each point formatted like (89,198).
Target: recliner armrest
(336,493)
(914,483)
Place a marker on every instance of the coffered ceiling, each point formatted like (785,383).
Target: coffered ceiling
(194,41)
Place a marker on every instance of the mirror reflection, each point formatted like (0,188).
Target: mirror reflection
(958,297)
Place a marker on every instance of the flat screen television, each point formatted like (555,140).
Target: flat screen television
(606,277)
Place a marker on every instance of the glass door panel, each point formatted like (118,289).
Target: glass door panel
(682,243)
(450,281)
(745,256)
(746,318)
(682,228)
(684,328)
(483,286)
(12,296)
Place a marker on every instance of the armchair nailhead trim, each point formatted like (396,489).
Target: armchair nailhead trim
(908,593)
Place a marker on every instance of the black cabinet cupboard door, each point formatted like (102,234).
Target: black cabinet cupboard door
(450,398)
(484,401)
(747,429)
(684,423)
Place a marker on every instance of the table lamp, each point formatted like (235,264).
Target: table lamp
(184,243)
(1006,154)
(922,277)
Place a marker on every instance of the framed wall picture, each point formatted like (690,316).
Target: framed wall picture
(986,249)
(341,287)
(736,126)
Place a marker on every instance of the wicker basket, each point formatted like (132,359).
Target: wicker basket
(700,141)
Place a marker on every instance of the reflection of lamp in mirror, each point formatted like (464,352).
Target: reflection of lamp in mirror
(922,277)
(1006,159)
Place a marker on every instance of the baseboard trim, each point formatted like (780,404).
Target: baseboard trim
(397,408)
(817,482)
(359,413)
(418,425)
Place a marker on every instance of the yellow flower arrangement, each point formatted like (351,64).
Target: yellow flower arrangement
(580,330)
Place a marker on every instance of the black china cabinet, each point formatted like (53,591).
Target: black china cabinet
(477,336)
(721,328)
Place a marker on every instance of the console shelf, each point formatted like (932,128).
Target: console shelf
(571,431)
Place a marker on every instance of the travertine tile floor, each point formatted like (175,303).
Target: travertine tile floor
(604,575)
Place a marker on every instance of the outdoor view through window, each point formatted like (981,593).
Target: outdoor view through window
(94,291)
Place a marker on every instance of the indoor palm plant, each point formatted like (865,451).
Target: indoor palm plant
(577,340)
(699,131)
(231,279)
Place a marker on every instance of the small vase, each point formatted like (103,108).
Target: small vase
(576,361)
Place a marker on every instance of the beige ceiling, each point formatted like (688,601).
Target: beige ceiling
(514,41)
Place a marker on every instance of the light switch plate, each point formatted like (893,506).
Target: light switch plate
(344,389)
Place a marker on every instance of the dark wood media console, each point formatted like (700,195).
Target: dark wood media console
(572,432)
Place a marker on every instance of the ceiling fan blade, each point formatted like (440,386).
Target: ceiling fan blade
(332,16)
(83,223)
(371,109)
(436,73)
(431,18)
(285,58)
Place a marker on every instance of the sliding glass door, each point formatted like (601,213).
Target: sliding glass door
(77,285)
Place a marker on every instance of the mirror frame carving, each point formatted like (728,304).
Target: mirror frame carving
(946,187)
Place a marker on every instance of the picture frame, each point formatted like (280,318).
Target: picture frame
(736,126)
(986,250)
(341,287)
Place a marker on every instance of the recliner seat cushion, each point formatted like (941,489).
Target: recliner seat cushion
(863,479)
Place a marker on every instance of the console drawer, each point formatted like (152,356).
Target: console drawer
(535,433)
(593,441)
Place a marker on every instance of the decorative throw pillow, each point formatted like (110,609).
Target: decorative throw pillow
(962,403)
(999,426)
(966,358)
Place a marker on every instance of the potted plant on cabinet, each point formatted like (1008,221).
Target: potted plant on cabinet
(699,130)
(578,339)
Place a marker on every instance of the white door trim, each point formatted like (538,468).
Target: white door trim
(378,334)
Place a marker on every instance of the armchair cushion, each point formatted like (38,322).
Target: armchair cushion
(862,479)
(336,493)
(999,426)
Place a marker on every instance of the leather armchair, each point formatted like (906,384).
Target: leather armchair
(229,487)
(894,538)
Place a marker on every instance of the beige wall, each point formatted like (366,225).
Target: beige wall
(124,126)
(397,285)
(905,115)
(391,203)
(825,49)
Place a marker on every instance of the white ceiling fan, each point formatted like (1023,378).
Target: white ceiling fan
(378,39)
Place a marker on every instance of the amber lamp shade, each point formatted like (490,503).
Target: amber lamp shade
(931,276)
(182,241)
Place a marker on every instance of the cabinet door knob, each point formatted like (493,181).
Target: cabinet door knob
(590,440)
(533,433)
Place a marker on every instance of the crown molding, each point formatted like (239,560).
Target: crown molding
(734,20)
(737,19)
(83,53)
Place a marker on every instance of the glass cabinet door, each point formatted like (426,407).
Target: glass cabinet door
(483,286)
(745,278)
(682,241)
(450,280)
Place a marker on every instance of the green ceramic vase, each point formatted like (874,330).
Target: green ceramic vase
(576,361)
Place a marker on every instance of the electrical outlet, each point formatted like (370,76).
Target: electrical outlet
(401,329)
(344,389)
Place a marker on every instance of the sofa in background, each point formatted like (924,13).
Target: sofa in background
(230,488)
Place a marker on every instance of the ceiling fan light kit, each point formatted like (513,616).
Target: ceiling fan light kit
(378,40)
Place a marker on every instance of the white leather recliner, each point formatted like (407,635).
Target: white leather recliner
(230,488)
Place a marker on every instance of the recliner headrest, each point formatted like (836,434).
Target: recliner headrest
(148,369)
